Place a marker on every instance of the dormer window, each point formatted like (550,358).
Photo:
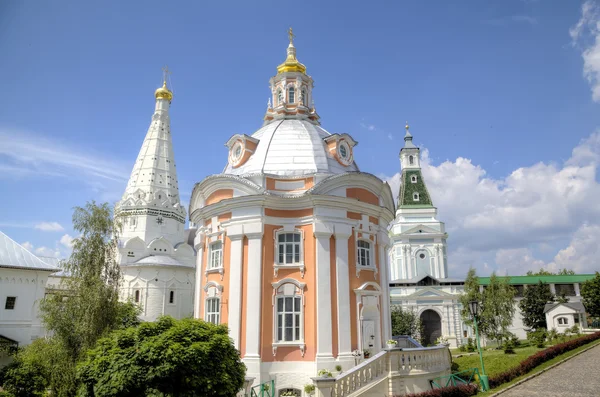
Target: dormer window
(413,179)
(415,196)
(411,160)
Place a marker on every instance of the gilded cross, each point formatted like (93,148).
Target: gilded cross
(166,72)
(291,35)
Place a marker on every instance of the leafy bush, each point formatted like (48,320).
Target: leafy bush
(454,367)
(538,337)
(552,335)
(509,347)
(575,330)
(338,368)
(462,348)
(452,391)
(539,358)
(470,345)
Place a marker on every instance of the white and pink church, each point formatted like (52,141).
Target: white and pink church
(289,246)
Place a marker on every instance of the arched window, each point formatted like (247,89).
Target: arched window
(411,160)
(304,97)
(291,95)
(212,312)
(289,314)
(563,321)
(364,252)
(413,179)
(171,296)
(136,296)
(212,302)
(279,97)
(415,196)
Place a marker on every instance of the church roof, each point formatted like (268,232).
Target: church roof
(408,188)
(291,148)
(14,255)
(158,260)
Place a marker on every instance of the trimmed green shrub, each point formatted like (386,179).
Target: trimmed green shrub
(451,391)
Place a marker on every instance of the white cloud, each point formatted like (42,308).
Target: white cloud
(49,227)
(67,241)
(28,155)
(507,220)
(27,245)
(583,252)
(585,34)
(502,21)
(45,251)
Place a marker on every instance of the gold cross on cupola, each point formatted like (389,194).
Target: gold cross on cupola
(291,35)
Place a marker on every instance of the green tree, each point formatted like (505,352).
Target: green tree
(590,291)
(174,357)
(406,322)
(544,272)
(532,305)
(471,293)
(88,306)
(498,308)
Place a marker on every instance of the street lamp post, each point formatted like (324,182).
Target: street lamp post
(474,310)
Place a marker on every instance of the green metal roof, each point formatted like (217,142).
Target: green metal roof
(408,188)
(558,279)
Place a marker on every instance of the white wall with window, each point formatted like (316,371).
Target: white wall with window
(216,255)
(563,316)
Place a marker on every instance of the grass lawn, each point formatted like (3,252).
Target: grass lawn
(497,362)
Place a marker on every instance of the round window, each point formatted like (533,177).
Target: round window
(236,152)
(422,256)
(343,151)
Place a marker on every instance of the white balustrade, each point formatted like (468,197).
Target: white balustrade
(398,362)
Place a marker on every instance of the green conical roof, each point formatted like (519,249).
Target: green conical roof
(408,188)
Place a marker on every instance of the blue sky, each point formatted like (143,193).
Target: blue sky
(498,93)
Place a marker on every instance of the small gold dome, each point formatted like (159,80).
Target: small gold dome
(163,93)
(291,64)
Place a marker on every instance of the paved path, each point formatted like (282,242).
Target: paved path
(578,377)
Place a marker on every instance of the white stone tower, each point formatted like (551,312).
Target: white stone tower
(158,264)
(418,238)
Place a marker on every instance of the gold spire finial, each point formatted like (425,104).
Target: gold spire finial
(407,127)
(163,92)
(166,73)
(291,64)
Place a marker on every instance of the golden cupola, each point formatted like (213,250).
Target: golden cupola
(291,64)
(163,92)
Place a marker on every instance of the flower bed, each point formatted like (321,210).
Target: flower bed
(451,391)
(539,358)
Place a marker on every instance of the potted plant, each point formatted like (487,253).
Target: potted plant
(325,373)
(309,389)
(392,343)
(338,368)
(366,353)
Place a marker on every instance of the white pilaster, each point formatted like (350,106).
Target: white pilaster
(235,284)
(342,233)
(253,301)
(324,322)
(199,246)
(385,286)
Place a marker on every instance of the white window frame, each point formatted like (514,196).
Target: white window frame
(282,289)
(304,96)
(213,292)
(411,160)
(210,257)
(137,295)
(373,246)
(563,318)
(291,94)
(413,179)
(416,196)
(294,265)
(210,315)
(368,257)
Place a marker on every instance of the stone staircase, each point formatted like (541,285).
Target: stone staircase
(392,372)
